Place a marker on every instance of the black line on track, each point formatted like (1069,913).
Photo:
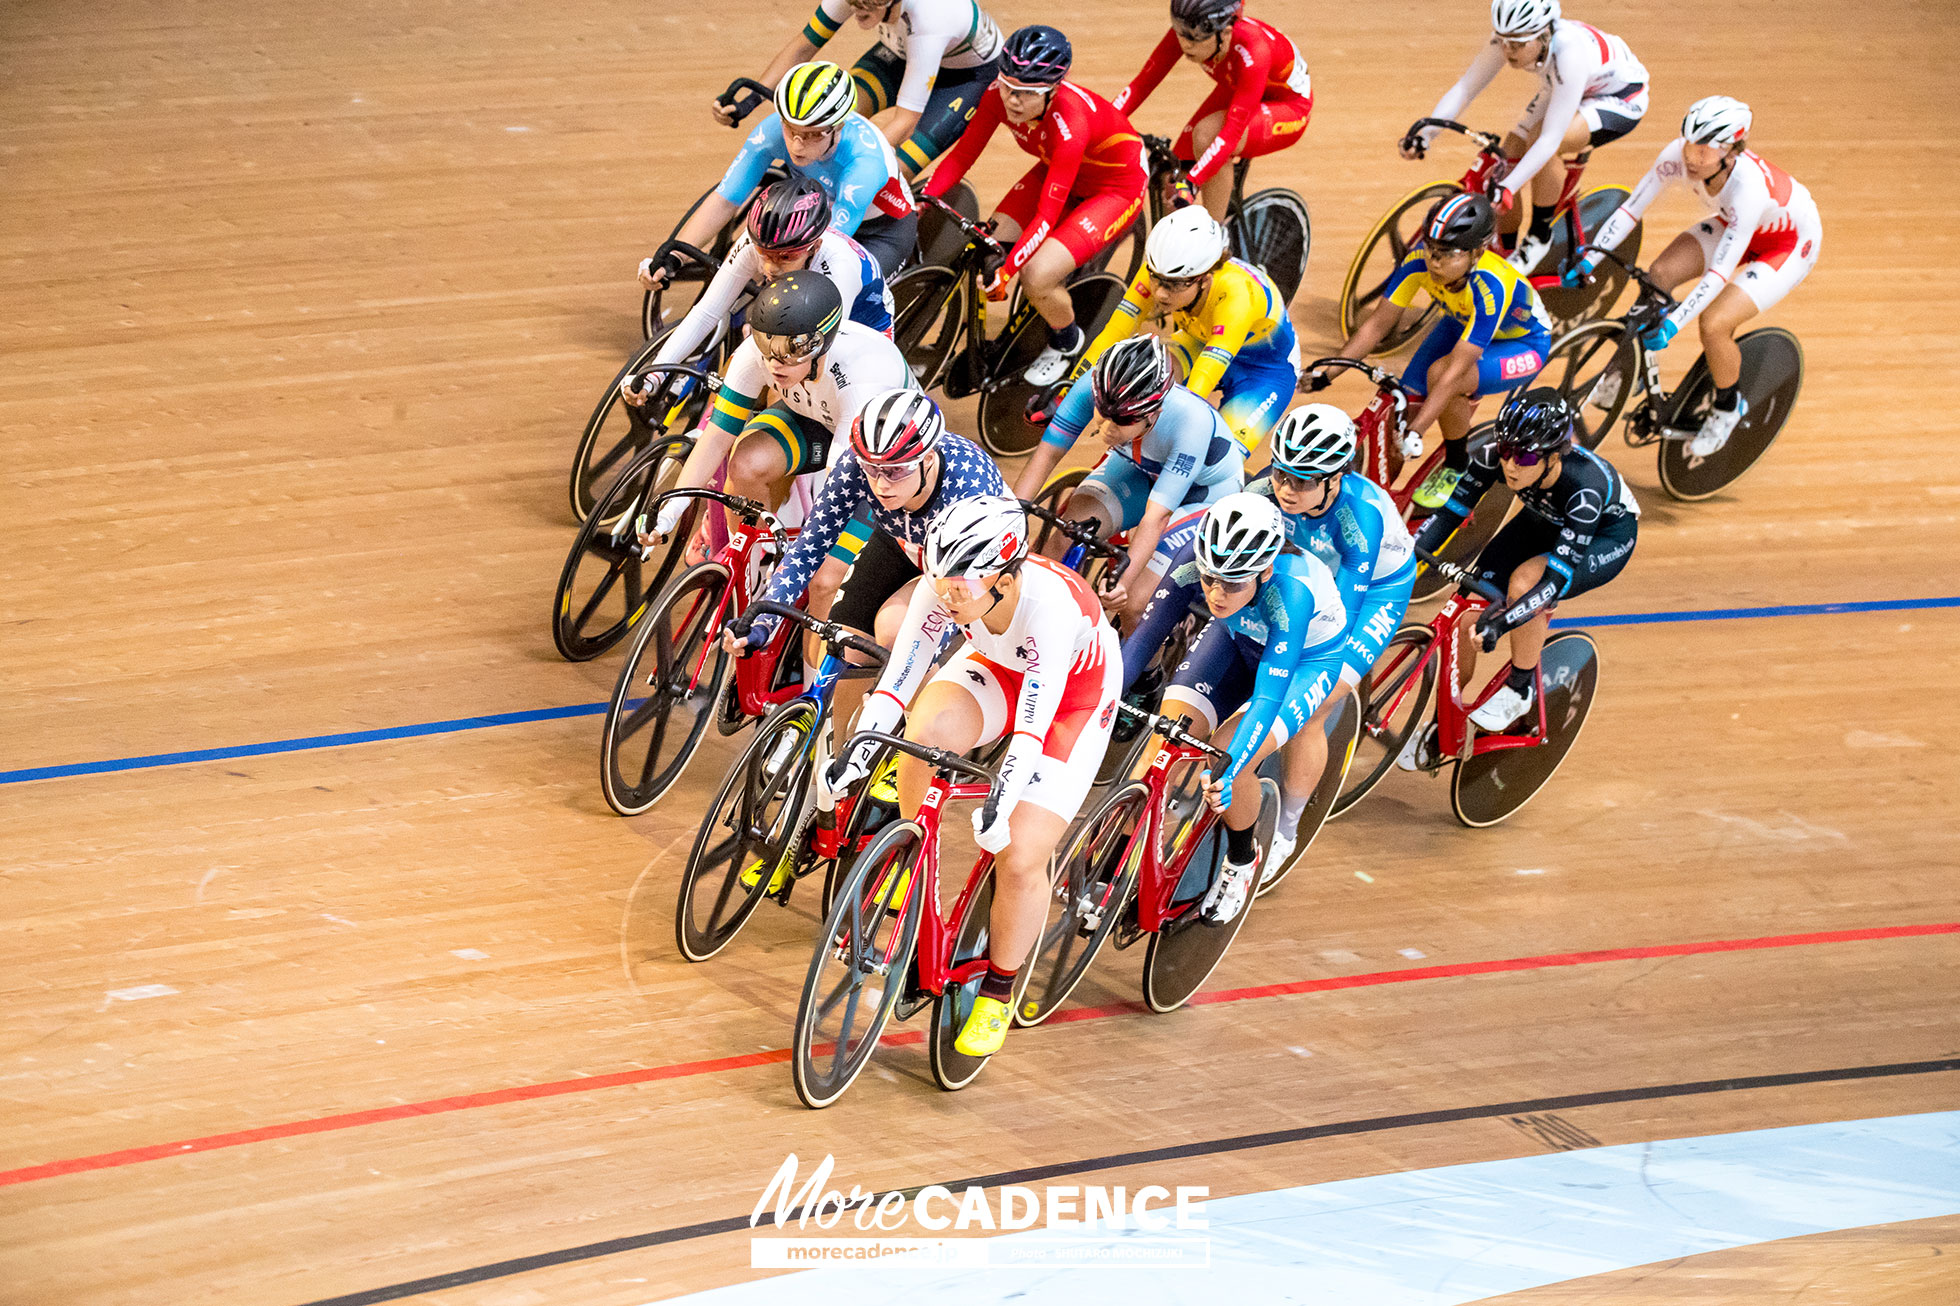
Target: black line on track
(1240,1143)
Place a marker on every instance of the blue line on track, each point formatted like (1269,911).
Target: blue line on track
(596,709)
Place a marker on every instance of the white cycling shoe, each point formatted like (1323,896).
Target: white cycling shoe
(1529,253)
(1419,753)
(1276,858)
(1051,365)
(1503,708)
(1716,429)
(1228,893)
(1606,391)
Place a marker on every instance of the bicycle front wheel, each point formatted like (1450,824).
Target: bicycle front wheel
(953,1069)
(1183,954)
(1570,307)
(617,432)
(1343,726)
(1375,262)
(929,319)
(859,969)
(752,825)
(1490,787)
(1273,232)
(1394,697)
(661,706)
(1772,377)
(605,583)
(1004,425)
(1593,367)
(1094,877)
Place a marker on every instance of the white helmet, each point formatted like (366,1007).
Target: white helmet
(1519,18)
(1313,440)
(1240,536)
(981,536)
(1184,245)
(1716,120)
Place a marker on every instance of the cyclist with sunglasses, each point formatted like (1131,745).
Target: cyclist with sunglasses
(933,60)
(1261,103)
(1230,329)
(1575,533)
(1275,646)
(1040,664)
(1082,194)
(1592,91)
(813,133)
(1493,335)
(1169,454)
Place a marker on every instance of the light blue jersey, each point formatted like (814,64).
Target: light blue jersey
(860,171)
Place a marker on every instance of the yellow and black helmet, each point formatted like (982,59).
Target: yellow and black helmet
(816,95)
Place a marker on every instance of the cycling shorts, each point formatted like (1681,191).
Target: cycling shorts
(955,95)
(1257,389)
(1219,672)
(805,443)
(1607,117)
(1527,536)
(879,572)
(1089,222)
(1125,487)
(1274,125)
(1072,750)
(891,242)
(1504,364)
(1775,263)
(1382,610)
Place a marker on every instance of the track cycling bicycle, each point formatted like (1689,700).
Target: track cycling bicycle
(1400,230)
(1601,366)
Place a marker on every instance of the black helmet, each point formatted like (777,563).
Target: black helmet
(1204,17)
(1038,56)
(1459,222)
(796,316)
(790,216)
(1131,379)
(1539,420)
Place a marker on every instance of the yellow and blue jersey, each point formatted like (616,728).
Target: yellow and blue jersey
(1495,302)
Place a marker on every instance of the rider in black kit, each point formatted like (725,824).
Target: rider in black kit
(1576,533)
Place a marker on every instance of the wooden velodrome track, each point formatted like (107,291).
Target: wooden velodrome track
(304,306)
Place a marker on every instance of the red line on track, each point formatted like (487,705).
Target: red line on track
(690,1069)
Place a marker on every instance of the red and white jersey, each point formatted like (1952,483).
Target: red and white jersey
(1760,210)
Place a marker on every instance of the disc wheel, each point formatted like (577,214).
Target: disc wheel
(1375,262)
(1574,306)
(859,969)
(1093,880)
(953,1069)
(754,820)
(674,675)
(605,583)
(618,432)
(1395,700)
(1342,726)
(1593,367)
(1772,377)
(1490,787)
(1183,954)
(940,242)
(929,319)
(1273,232)
(1004,425)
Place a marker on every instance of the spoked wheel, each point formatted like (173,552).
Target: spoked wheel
(605,584)
(660,309)
(1273,232)
(1581,304)
(860,968)
(1593,367)
(1474,532)
(1375,262)
(1491,786)
(1092,884)
(667,692)
(953,1069)
(929,319)
(1395,701)
(752,825)
(618,432)
(940,242)
(1772,377)
(1004,425)
(1343,725)
(1187,950)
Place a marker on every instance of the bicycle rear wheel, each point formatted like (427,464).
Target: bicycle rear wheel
(1395,697)
(1342,727)
(1375,262)
(1004,425)
(859,968)
(605,584)
(953,1069)
(754,819)
(1094,878)
(1772,377)
(929,319)
(673,677)
(1569,307)
(1273,232)
(1593,367)
(1490,787)
(1184,953)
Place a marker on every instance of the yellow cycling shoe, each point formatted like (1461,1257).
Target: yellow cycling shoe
(884,785)
(985,1029)
(784,868)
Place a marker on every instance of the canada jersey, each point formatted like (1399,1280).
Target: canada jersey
(860,172)
(1495,302)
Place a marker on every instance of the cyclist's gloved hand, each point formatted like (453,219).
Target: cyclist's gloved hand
(666,520)
(1490,628)
(1410,442)
(658,271)
(1658,337)
(1580,273)
(990,834)
(1316,381)
(1504,200)
(1183,193)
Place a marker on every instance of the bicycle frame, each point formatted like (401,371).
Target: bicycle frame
(1452,711)
(1380,426)
(966,267)
(933,959)
(1157,879)
(1490,168)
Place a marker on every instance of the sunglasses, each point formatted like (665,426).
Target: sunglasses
(1209,581)
(1286,480)
(1011,87)
(890,473)
(1175,285)
(1518,456)
(1194,34)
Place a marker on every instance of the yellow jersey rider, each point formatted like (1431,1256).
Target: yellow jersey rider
(1494,335)
(1231,333)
